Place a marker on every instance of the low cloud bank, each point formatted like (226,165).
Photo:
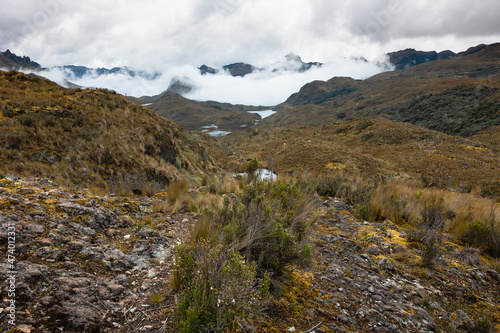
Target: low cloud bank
(266,87)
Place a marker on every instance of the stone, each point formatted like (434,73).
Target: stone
(373,250)
(385,264)
(460,321)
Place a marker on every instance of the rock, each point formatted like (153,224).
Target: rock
(25,328)
(460,320)
(384,245)
(494,275)
(373,250)
(385,264)
(35,228)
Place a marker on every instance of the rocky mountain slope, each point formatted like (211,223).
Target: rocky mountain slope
(410,57)
(291,62)
(92,138)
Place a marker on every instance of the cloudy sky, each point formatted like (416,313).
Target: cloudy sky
(175,37)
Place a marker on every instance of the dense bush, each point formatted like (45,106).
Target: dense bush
(217,286)
(223,272)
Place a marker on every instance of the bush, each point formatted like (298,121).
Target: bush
(251,167)
(431,250)
(217,289)
(433,213)
(484,234)
(27,119)
(267,224)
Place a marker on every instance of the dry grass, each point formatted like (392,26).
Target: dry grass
(91,138)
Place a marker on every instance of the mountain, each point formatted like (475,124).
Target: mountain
(9,61)
(192,115)
(410,57)
(78,72)
(291,62)
(94,138)
(459,96)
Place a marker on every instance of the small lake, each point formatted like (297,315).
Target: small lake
(264,113)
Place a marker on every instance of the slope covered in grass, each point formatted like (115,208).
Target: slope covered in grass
(93,138)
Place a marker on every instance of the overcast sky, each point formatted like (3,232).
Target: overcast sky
(166,35)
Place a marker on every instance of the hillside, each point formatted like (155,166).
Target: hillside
(397,92)
(369,147)
(192,115)
(92,138)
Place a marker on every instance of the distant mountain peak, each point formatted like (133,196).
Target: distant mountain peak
(292,62)
(411,57)
(10,61)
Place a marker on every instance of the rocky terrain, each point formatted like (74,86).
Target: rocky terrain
(85,263)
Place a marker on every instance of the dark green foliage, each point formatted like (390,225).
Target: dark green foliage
(431,250)
(27,119)
(259,234)
(7,111)
(251,167)
(463,110)
(217,288)
(267,225)
(485,235)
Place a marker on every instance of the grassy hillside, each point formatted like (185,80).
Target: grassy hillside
(192,115)
(92,138)
(471,77)
(369,147)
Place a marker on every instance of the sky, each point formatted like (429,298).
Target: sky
(176,37)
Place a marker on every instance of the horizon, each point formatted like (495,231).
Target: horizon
(176,38)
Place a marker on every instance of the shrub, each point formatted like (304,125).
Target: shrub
(251,167)
(27,119)
(433,213)
(267,224)
(431,250)
(7,111)
(217,288)
(484,234)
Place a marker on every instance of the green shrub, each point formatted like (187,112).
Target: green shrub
(217,289)
(431,250)
(267,224)
(484,234)
(251,167)
(27,119)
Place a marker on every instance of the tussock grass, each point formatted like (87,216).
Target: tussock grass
(471,218)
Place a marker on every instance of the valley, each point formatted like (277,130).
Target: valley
(133,214)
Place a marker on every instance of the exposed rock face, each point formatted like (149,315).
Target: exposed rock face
(204,69)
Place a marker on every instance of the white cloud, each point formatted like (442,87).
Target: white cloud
(164,36)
